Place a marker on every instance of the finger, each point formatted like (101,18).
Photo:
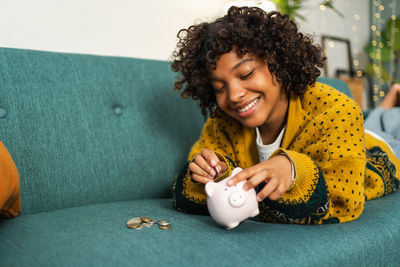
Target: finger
(210,157)
(203,164)
(255,180)
(243,175)
(195,169)
(277,193)
(200,179)
(270,187)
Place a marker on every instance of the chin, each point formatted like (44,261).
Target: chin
(250,122)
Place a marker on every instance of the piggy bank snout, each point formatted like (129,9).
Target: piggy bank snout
(237,198)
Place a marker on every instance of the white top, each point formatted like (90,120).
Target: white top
(265,151)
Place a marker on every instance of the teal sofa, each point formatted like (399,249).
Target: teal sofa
(98,140)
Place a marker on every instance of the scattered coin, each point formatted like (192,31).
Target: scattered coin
(148,225)
(141,222)
(134,220)
(146,219)
(136,226)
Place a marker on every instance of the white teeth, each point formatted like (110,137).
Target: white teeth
(246,108)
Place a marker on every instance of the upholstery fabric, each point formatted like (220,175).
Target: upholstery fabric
(96,235)
(88,129)
(98,140)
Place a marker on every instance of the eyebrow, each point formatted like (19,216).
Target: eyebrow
(241,63)
(236,66)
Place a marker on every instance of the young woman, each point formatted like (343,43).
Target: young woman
(301,143)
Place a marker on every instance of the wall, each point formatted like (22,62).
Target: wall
(354,26)
(131,28)
(145,29)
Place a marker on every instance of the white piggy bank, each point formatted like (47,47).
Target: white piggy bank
(230,205)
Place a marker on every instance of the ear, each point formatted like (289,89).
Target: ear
(210,186)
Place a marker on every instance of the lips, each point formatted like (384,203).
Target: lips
(248,106)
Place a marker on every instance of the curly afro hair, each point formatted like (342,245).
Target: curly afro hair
(291,56)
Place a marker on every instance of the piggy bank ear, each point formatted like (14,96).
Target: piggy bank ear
(235,171)
(210,186)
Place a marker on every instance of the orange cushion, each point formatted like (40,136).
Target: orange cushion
(10,196)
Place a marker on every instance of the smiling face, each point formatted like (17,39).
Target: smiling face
(246,91)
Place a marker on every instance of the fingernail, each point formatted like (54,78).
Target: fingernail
(212,173)
(213,162)
(230,182)
(217,169)
(259,199)
(245,187)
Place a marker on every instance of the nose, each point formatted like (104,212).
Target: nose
(236,92)
(237,199)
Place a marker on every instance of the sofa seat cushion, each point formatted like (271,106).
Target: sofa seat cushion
(96,235)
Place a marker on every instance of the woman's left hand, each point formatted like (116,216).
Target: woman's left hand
(276,172)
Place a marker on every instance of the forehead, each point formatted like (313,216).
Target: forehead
(231,59)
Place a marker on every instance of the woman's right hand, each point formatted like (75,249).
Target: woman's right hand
(206,166)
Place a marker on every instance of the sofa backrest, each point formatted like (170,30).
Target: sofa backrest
(88,129)
(336,83)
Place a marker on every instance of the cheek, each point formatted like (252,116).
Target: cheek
(221,101)
(260,82)
(269,78)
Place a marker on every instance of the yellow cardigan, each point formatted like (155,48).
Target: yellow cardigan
(337,165)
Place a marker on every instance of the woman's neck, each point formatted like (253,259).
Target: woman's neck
(271,129)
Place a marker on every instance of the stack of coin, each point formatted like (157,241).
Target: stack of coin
(164,224)
(141,222)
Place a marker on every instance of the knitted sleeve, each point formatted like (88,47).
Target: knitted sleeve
(382,175)
(329,159)
(188,195)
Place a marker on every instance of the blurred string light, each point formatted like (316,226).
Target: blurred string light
(379,83)
(356,52)
(263,4)
(354,27)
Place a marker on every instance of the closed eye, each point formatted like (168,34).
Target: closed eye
(219,90)
(248,75)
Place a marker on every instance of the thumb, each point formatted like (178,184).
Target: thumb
(212,158)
